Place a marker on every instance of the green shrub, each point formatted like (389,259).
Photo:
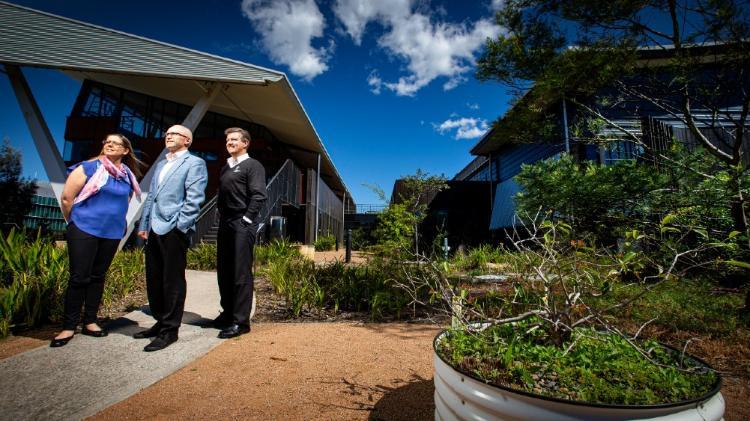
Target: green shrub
(361,239)
(336,287)
(34,276)
(278,249)
(126,276)
(477,259)
(593,367)
(202,257)
(325,243)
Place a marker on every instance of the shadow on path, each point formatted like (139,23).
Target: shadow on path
(412,401)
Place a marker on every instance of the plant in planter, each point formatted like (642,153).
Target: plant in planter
(551,350)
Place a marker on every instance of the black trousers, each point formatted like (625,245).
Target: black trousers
(89,258)
(166,260)
(234,269)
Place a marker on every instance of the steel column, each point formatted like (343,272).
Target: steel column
(48,151)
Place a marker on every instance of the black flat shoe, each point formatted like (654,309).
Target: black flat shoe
(57,343)
(95,333)
(233,331)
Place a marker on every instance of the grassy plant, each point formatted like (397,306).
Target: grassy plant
(278,249)
(325,243)
(482,259)
(34,276)
(691,305)
(202,257)
(593,366)
(337,287)
(126,275)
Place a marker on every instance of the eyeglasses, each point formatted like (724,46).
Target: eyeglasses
(175,134)
(113,142)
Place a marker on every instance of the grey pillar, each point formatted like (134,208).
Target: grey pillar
(45,144)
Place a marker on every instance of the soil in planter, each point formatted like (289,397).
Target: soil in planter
(594,367)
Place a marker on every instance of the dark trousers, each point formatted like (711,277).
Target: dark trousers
(234,269)
(89,258)
(166,260)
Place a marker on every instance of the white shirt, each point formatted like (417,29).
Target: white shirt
(171,158)
(233,162)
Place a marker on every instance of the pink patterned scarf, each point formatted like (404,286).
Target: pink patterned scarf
(101,176)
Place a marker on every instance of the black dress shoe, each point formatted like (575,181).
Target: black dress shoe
(151,332)
(221,322)
(233,331)
(57,343)
(95,333)
(161,342)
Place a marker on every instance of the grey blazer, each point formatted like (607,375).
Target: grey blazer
(175,203)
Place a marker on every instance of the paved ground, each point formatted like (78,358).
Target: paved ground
(278,371)
(299,371)
(90,374)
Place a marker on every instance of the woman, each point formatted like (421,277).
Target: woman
(94,203)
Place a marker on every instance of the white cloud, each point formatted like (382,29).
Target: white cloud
(287,29)
(497,4)
(430,49)
(466,128)
(375,82)
(472,105)
(356,14)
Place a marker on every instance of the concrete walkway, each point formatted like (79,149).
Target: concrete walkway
(90,374)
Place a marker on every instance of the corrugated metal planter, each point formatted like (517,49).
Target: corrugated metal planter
(458,396)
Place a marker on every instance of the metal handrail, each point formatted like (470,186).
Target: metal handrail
(206,219)
(282,189)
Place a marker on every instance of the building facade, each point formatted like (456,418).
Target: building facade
(139,87)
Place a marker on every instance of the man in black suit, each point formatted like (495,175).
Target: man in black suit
(242,193)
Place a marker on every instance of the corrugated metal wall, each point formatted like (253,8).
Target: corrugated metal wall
(510,161)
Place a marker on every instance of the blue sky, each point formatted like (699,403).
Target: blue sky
(389,85)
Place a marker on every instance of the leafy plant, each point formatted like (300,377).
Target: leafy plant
(325,243)
(202,257)
(34,276)
(126,276)
(592,366)
(278,249)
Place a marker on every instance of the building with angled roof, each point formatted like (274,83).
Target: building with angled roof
(140,87)
(503,150)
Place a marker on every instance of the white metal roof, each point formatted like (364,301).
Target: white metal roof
(33,38)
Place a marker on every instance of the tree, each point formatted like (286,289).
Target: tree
(689,60)
(398,225)
(16,191)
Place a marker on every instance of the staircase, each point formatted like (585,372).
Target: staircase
(282,190)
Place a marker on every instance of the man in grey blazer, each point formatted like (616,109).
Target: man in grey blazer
(173,203)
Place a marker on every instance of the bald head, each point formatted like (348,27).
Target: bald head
(178,138)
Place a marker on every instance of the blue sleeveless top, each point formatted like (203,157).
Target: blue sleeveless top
(103,214)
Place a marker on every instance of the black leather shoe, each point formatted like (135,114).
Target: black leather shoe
(221,322)
(95,333)
(233,331)
(151,332)
(57,343)
(161,342)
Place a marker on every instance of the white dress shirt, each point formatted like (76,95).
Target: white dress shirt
(171,158)
(233,162)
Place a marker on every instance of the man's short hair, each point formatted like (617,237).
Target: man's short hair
(244,133)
